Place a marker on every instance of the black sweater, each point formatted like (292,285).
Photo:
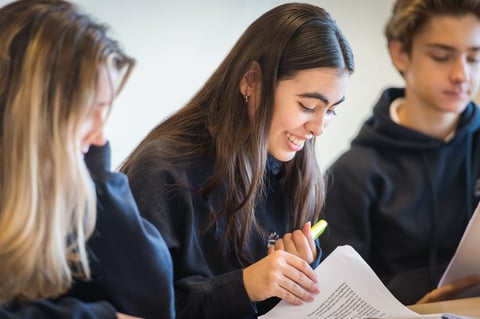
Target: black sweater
(131,265)
(403,199)
(208,280)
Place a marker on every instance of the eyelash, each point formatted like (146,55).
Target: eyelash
(306,109)
(440,58)
(446,58)
(309,110)
(331,112)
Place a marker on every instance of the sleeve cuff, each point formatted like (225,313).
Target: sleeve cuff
(316,262)
(231,296)
(97,160)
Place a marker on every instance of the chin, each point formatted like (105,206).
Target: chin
(456,109)
(285,157)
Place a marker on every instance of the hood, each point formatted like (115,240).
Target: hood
(381,132)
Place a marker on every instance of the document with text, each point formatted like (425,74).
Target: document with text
(349,289)
(466,260)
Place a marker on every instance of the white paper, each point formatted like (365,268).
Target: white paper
(466,260)
(349,289)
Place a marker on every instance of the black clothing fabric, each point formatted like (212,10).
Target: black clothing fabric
(403,199)
(208,280)
(130,262)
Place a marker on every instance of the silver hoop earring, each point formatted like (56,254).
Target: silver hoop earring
(245,97)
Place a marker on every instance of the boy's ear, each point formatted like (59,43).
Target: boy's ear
(400,58)
(251,80)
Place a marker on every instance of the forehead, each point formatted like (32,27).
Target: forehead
(104,89)
(329,82)
(457,32)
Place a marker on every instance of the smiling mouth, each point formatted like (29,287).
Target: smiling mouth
(298,142)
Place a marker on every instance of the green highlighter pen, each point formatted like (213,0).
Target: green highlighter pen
(318,228)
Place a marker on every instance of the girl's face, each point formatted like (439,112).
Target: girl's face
(303,107)
(442,71)
(91,132)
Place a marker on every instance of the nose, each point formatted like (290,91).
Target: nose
(459,71)
(95,133)
(97,136)
(317,124)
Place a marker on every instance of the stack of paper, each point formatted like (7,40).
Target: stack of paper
(466,261)
(349,289)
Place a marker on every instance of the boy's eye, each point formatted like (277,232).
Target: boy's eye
(440,58)
(473,59)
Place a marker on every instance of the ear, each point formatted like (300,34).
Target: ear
(400,58)
(251,80)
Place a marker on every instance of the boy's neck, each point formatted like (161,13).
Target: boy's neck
(431,122)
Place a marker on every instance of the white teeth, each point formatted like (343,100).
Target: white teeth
(294,140)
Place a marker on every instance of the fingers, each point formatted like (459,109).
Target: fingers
(307,231)
(124,316)
(449,291)
(304,270)
(271,249)
(297,282)
(295,287)
(299,244)
(283,275)
(280,244)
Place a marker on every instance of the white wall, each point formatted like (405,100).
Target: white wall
(179,43)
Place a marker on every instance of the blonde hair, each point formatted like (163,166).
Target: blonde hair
(50,58)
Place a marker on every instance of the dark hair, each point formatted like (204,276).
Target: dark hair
(409,16)
(283,41)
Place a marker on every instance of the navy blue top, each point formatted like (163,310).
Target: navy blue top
(208,280)
(130,262)
(403,199)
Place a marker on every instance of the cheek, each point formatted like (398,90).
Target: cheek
(289,120)
(86,129)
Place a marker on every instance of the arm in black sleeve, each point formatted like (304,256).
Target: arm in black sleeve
(129,255)
(202,291)
(221,296)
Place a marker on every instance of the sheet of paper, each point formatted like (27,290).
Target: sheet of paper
(466,260)
(349,289)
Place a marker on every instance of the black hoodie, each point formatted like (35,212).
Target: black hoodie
(403,199)
(208,280)
(131,267)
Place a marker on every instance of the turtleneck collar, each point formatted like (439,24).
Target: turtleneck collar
(273,165)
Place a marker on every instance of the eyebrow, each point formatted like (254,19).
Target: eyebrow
(321,97)
(449,48)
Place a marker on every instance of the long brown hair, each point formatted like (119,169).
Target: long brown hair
(283,41)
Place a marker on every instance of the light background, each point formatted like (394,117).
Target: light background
(179,43)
